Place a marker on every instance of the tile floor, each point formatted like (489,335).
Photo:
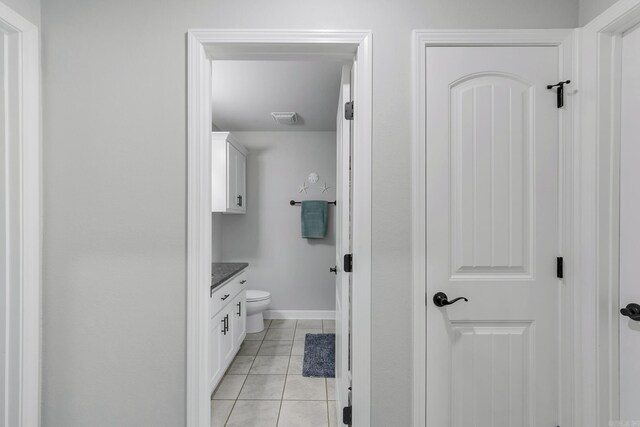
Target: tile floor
(264,386)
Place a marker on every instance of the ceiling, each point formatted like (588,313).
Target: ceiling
(246,92)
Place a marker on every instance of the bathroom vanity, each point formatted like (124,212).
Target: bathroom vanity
(227,317)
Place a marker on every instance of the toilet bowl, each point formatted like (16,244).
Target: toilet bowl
(257,303)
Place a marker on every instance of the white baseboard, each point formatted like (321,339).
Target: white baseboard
(300,314)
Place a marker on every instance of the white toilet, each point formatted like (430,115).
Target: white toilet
(257,303)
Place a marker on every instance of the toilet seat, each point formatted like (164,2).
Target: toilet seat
(253,295)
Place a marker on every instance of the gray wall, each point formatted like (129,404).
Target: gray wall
(29,9)
(114,182)
(216,234)
(589,9)
(294,270)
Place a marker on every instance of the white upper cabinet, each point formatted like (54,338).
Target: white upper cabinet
(228,174)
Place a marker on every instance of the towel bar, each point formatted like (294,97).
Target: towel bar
(294,203)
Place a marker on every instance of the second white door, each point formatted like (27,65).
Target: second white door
(343,246)
(629,230)
(492,236)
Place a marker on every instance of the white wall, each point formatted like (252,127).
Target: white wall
(589,9)
(114,184)
(294,270)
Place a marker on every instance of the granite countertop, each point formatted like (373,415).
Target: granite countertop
(222,271)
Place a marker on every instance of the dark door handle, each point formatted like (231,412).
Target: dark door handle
(224,297)
(239,203)
(334,270)
(239,308)
(632,311)
(440,299)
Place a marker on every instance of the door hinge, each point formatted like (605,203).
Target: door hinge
(559,267)
(346,415)
(348,110)
(347,266)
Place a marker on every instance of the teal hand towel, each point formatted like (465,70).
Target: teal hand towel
(314,217)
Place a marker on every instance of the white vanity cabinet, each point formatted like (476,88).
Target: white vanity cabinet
(216,331)
(239,318)
(228,174)
(227,325)
(226,340)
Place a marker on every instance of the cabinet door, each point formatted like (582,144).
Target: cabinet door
(239,319)
(241,181)
(232,180)
(226,340)
(216,328)
(236,180)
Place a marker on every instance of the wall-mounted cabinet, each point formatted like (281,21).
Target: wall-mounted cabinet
(228,174)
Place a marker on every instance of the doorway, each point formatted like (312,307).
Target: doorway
(287,163)
(205,46)
(492,322)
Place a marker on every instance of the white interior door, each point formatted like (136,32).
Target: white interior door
(492,233)
(4,232)
(343,246)
(12,238)
(630,228)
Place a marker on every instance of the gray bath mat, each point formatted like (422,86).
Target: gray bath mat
(319,356)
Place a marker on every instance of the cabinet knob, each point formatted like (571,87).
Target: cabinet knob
(224,297)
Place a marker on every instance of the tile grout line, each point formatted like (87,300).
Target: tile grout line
(226,420)
(326,395)
(286,375)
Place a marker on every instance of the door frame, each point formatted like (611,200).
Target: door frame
(598,188)
(564,40)
(202,45)
(23,259)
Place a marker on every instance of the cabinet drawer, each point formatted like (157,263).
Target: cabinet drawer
(226,293)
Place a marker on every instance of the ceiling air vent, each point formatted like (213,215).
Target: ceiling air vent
(285,118)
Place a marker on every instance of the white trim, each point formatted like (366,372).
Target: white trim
(198,230)
(202,45)
(597,225)
(22,399)
(300,314)
(421,40)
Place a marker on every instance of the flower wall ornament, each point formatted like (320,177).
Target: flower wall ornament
(313,177)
